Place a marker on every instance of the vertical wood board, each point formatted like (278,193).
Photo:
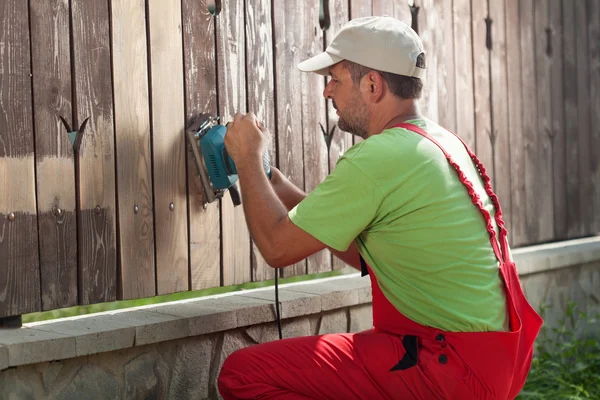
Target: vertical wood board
(132,132)
(19,256)
(201,97)
(168,146)
(51,69)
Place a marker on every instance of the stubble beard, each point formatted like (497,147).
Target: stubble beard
(355,119)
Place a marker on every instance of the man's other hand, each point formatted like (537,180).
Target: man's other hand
(245,138)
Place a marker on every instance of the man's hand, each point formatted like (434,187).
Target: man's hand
(245,139)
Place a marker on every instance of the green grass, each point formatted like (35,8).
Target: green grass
(115,305)
(567,361)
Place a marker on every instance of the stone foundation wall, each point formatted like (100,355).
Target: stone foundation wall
(176,369)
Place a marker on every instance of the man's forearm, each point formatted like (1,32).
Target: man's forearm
(289,194)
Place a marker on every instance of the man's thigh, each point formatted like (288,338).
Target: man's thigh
(337,366)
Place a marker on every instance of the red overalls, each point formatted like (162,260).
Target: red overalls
(398,359)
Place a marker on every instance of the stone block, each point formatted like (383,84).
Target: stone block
(290,328)
(146,377)
(248,311)
(28,345)
(152,327)
(334,322)
(91,383)
(361,318)
(334,294)
(3,357)
(202,316)
(190,377)
(93,334)
(20,384)
(292,303)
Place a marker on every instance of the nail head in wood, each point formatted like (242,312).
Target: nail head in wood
(136,209)
(11,217)
(171,206)
(98,210)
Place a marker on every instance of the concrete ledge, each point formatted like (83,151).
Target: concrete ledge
(128,328)
(546,257)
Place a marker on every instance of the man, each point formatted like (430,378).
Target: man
(408,207)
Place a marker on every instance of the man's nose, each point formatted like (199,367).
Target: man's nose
(327,90)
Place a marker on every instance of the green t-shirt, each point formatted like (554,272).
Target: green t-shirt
(413,221)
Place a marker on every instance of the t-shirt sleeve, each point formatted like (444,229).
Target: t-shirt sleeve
(340,208)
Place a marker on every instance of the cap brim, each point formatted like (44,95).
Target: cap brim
(319,64)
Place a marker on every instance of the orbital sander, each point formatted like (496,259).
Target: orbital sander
(215,167)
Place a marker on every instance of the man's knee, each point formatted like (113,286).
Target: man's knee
(231,371)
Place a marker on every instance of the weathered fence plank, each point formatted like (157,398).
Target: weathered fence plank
(529,102)
(132,126)
(341,141)
(427,24)
(57,225)
(481,87)
(583,116)
(261,94)
(542,189)
(232,98)
(574,228)
(290,18)
(463,72)
(316,159)
(444,50)
(19,256)
(97,216)
(201,97)
(499,95)
(594,48)
(517,223)
(168,146)
(397,9)
(559,168)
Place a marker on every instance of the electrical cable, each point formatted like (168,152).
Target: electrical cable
(277,303)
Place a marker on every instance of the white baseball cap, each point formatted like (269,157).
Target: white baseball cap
(382,43)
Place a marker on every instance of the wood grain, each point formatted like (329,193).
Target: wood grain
(316,158)
(583,117)
(594,49)
(499,93)
(516,225)
(362,8)
(428,20)
(481,88)
(542,190)
(398,9)
(574,228)
(289,19)
(463,72)
(530,122)
(132,128)
(446,66)
(51,67)
(341,141)
(559,167)
(261,93)
(97,251)
(232,99)
(168,145)
(201,97)
(19,256)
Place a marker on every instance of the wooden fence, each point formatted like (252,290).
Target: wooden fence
(120,216)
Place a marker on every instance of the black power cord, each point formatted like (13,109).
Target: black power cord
(277,304)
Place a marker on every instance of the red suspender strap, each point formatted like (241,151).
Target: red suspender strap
(502,256)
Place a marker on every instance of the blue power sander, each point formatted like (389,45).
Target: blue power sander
(215,167)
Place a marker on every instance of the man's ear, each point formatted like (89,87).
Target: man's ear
(374,86)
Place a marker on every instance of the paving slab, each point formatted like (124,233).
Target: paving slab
(152,327)
(28,346)
(292,303)
(203,317)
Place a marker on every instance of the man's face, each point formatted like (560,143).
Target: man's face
(348,101)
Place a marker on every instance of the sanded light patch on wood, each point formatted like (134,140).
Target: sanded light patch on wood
(59,171)
(132,126)
(19,173)
(168,146)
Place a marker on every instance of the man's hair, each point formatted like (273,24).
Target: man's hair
(405,87)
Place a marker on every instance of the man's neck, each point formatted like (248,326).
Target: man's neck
(406,110)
